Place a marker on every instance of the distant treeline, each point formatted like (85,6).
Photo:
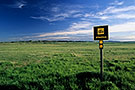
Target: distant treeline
(41,41)
(47,41)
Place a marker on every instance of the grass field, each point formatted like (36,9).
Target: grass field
(66,66)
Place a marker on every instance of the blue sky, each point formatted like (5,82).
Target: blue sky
(65,19)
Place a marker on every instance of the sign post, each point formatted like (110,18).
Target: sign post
(101,59)
(101,33)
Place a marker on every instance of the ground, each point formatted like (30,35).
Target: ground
(66,66)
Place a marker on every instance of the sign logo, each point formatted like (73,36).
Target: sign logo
(101,32)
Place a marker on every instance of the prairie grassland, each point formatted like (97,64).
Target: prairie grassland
(66,66)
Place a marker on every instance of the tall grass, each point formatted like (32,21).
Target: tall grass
(66,66)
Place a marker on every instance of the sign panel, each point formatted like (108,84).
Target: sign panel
(101,32)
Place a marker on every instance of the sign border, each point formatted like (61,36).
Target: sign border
(101,27)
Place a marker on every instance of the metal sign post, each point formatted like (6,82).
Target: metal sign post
(101,33)
(101,59)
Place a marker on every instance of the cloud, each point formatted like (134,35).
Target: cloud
(83,28)
(131,37)
(105,17)
(123,38)
(125,16)
(48,19)
(55,38)
(116,2)
(107,10)
(125,27)
(83,31)
(58,12)
(13,3)
(114,10)
(19,4)
(55,9)
(122,32)
(77,15)
(88,15)
(65,33)
(64,15)
(80,26)
(117,16)
(60,35)
(76,31)
(59,17)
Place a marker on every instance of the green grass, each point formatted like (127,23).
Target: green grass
(66,66)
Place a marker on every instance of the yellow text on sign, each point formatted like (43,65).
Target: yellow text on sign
(100,31)
(101,36)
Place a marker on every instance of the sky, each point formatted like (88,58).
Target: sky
(70,20)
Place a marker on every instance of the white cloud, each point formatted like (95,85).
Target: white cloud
(20,4)
(88,15)
(123,38)
(125,16)
(113,10)
(117,3)
(64,15)
(65,33)
(131,37)
(41,18)
(80,26)
(102,17)
(125,27)
(83,31)
(59,16)
(59,12)
(49,19)
(84,27)
(77,31)
(55,9)
(55,38)
(77,15)
(129,8)
(73,11)
(107,10)
(117,16)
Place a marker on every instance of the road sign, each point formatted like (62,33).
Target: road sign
(101,32)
